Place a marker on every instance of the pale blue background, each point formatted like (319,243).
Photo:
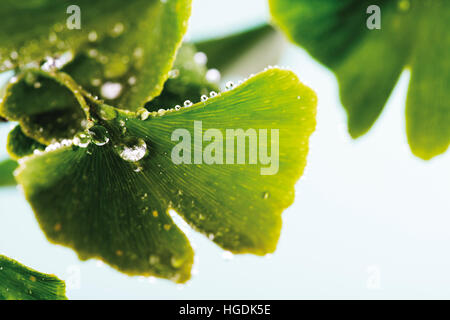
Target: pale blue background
(364,209)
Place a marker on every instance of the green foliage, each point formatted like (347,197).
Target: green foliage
(93,198)
(7,168)
(223,51)
(18,282)
(138,39)
(19,145)
(99,173)
(367,63)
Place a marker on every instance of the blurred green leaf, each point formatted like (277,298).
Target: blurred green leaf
(7,168)
(223,51)
(18,282)
(187,81)
(48,106)
(367,63)
(19,145)
(138,39)
(109,198)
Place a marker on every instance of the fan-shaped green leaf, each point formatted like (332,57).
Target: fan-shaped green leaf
(138,39)
(109,199)
(49,106)
(368,62)
(187,81)
(19,145)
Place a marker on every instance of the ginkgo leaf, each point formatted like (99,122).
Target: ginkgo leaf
(368,62)
(18,282)
(139,39)
(19,145)
(109,198)
(7,168)
(187,81)
(49,106)
(223,51)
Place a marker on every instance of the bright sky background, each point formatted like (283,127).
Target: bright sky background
(364,210)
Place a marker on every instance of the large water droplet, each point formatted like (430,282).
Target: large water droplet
(213,75)
(99,135)
(133,150)
(82,140)
(111,90)
(92,36)
(200,58)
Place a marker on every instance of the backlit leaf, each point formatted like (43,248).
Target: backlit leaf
(414,34)
(110,199)
(18,282)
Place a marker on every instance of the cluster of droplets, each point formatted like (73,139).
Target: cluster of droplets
(55,63)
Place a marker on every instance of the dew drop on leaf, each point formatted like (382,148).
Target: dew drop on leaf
(99,135)
(213,75)
(92,36)
(111,90)
(200,58)
(230,85)
(133,150)
(174,73)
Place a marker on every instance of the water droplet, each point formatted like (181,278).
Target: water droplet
(96,82)
(200,58)
(99,135)
(211,236)
(138,53)
(204,98)
(174,73)
(177,107)
(155,214)
(118,29)
(132,81)
(82,140)
(161,112)
(227,255)
(143,114)
(111,90)
(176,262)
(188,103)
(92,36)
(133,150)
(230,85)
(213,75)
(266,195)
(153,259)
(14,55)
(107,113)
(213,94)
